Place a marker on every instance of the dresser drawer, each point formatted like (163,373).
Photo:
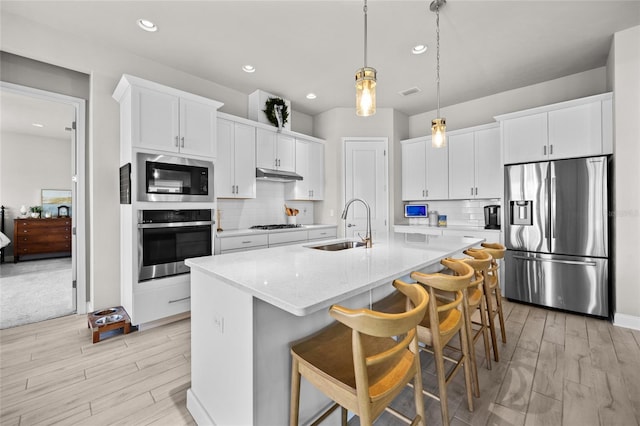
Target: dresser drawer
(243,242)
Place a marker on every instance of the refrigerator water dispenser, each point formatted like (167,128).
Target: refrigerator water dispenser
(521,212)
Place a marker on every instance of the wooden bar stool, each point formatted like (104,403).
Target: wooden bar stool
(443,321)
(475,302)
(363,361)
(492,290)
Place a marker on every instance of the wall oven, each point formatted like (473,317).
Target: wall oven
(174,179)
(167,237)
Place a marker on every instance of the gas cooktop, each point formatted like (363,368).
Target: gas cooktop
(276,226)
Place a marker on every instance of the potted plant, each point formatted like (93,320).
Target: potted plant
(35,211)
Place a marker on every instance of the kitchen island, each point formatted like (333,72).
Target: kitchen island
(247,308)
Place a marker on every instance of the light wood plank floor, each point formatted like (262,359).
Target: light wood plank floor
(555,369)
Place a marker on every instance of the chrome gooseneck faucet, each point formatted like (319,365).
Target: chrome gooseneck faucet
(367,238)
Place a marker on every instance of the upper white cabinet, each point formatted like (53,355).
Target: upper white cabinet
(578,128)
(236,166)
(275,150)
(475,169)
(424,170)
(159,118)
(309,165)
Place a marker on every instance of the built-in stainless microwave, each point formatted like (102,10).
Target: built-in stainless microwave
(170,178)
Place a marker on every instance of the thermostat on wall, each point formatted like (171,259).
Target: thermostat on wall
(415,210)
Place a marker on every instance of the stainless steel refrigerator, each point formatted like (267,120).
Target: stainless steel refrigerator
(556,234)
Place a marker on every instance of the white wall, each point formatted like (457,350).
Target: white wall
(29,164)
(334,125)
(625,77)
(266,209)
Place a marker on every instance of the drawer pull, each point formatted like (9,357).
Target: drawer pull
(247,242)
(180,300)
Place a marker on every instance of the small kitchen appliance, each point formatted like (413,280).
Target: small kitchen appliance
(492,217)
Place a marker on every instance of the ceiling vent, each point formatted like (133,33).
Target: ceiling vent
(410,91)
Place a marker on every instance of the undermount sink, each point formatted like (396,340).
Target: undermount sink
(341,245)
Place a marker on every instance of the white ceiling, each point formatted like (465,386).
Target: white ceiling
(316,46)
(18,113)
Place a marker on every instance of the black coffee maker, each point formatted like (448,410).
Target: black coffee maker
(492,217)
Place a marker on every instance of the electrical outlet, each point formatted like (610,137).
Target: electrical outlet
(218,323)
(331,213)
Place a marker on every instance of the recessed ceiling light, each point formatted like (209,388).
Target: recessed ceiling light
(419,49)
(311,96)
(37,125)
(248,68)
(147,25)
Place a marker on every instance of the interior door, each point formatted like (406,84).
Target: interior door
(366,178)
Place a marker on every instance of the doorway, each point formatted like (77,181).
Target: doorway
(46,285)
(366,177)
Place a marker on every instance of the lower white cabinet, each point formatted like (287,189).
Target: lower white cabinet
(241,243)
(224,245)
(161,298)
(322,234)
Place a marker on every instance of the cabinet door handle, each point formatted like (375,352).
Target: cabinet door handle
(550,149)
(237,189)
(180,300)
(544,150)
(177,143)
(427,191)
(476,190)
(182,142)
(472,190)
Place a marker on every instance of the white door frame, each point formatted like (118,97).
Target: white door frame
(378,139)
(79,213)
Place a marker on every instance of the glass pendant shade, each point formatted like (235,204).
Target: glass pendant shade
(438,133)
(366,91)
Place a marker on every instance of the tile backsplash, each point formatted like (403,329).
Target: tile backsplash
(462,212)
(267,208)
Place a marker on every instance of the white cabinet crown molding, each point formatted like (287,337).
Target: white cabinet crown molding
(556,106)
(127,80)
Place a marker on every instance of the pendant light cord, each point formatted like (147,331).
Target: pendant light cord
(438,56)
(364,9)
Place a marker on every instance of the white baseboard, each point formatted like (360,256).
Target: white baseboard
(626,321)
(197,411)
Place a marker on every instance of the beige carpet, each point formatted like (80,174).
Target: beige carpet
(34,291)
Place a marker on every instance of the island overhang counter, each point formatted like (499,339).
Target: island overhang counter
(248,307)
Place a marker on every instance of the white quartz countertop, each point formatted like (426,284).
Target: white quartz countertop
(302,280)
(246,231)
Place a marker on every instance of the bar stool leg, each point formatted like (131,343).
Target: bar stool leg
(485,331)
(492,326)
(295,393)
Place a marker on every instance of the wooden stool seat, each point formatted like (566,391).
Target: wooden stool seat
(108,319)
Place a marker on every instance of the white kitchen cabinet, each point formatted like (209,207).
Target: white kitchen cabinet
(475,168)
(236,166)
(241,243)
(577,128)
(275,150)
(424,170)
(309,165)
(575,131)
(154,117)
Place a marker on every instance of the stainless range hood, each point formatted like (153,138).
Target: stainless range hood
(276,175)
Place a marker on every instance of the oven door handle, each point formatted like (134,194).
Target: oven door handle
(175,224)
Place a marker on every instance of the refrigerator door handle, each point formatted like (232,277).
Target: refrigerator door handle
(546,209)
(566,262)
(553,207)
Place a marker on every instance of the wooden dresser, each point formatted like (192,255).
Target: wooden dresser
(40,236)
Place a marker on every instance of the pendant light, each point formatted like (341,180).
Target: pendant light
(438,124)
(365,81)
